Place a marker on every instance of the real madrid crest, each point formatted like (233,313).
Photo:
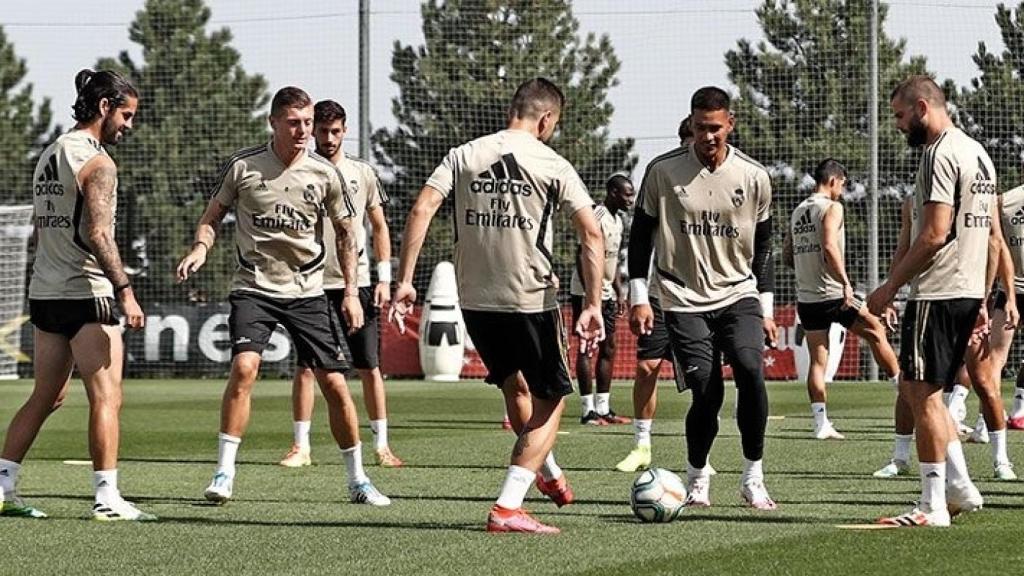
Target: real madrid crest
(309,194)
(738,197)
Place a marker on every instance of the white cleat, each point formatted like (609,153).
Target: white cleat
(756,495)
(366,493)
(120,510)
(893,469)
(918,518)
(710,470)
(698,492)
(220,488)
(1004,471)
(963,498)
(828,432)
(980,433)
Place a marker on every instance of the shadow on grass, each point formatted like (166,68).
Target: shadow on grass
(455,526)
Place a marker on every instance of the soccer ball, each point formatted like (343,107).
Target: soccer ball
(657,496)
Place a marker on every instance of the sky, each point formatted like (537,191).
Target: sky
(668,48)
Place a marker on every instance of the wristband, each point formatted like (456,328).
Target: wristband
(384,272)
(201,243)
(122,287)
(767,304)
(638,292)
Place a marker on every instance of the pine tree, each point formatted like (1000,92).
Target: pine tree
(197,107)
(457,87)
(803,97)
(23,126)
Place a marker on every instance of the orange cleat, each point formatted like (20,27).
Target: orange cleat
(386,459)
(557,490)
(505,520)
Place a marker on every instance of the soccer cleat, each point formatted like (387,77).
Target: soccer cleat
(638,459)
(506,424)
(220,488)
(13,506)
(893,469)
(297,457)
(1004,471)
(963,498)
(963,429)
(613,418)
(698,492)
(756,495)
(557,490)
(592,419)
(366,493)
(120,510)
(980,433)
(918,517)
(828,432)
(709,469)
(518,520)
(1015,423)
(387,459)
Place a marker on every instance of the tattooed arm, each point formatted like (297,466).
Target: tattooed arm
(345,246)
(98,179)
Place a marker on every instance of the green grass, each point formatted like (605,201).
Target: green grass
(298,521)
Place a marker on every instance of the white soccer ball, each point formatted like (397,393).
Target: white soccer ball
(657,496)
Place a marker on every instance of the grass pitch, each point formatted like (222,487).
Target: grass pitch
(299,521)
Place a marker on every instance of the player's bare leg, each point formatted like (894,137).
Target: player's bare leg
(302,416)
(984,366)
(234,418)
(519,403)
(817,348)
(375,399)
(645,402)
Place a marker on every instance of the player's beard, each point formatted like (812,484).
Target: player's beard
(110,133)
(917,135)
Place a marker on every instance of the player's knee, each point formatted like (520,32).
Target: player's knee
(647,370)
(245,368)
(697,374)
(748,367)
(608,347)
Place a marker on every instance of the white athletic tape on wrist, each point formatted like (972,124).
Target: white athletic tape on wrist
(384,272)
(767,304)
(638,292)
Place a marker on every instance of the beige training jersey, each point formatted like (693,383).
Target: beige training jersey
(1013,230)
(281,213)
(64,266)
(704,241)
(955,170)
(366,193)
(611,229)
(505,188)
(814,282)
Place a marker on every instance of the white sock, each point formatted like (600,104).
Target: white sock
(104,482)
(957,399)
(1018,403)
(549,470)
(586,404)
(227,451)
(956,464)
(603,404)
(380,433)
(933,486)
(980,426)
(693,473)
(354,464)
(517,484)
(9,475)
(642,431)
(752,469)
(300,430)
(998,440)
(820,414)
(901,450)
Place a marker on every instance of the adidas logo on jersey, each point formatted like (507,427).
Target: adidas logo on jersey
(1018,217)
(504,177)
(983,183)
(48,183)
(803,224)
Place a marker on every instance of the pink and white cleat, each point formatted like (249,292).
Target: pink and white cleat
(756,495)
(505,520)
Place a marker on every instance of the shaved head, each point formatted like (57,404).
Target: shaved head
(919,88)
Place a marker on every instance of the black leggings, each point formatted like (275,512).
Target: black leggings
(698,339)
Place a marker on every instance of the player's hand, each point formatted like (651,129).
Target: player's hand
(352,311)
(849,299)
(1012,316)
(890,319)
(134,317)
(771,333)
(590,329)
(641,319)
(982,326)
(192,262)
(405,299)
(880,299)
(382,295)
(621,306)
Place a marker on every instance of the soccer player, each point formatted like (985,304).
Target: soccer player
(705,212)
(619,194)
(951,220)
(368,199)
(505,188)
(1012,216)
(651,349)
(283,197)
(76,277)
(815,247)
